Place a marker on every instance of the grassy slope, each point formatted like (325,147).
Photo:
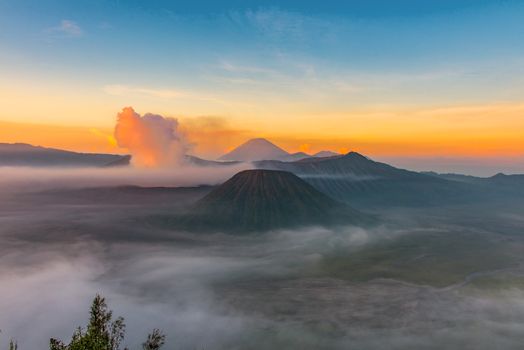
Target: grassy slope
(437,259)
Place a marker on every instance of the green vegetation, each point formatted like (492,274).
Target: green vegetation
(12,344)
(438,259)
(496,283)
(102,333)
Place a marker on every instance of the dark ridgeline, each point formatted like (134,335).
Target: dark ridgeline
(21,154)
(361,181)
(258,200)
(123,161)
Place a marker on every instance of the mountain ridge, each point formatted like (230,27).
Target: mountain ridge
(23,154)
(359,180)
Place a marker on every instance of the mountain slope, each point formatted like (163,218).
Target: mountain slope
(359,180)
(323,154)
(256,149)
(295,156)
(120,162)
(193,160)
(257,200)
(495,187)
(21,154)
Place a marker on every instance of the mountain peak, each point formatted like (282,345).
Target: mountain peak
(355,155)
(259,140)
(254,200)
(254,150)
(324,154)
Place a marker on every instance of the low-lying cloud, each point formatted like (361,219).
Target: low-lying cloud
(218,291)
(27,179)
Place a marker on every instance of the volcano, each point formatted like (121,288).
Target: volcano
(258,200)
(256,149)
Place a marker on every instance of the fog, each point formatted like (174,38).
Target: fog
(475,166)
(279,289)
(29,179)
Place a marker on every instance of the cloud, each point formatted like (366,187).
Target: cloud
(24,179)
(67,28)
(235,68)
(246,292)
(123,90)
(164,94)
(279,25)
(280,28)
(250,292)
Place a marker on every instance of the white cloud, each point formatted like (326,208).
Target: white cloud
(164,94)
(122,90)
(70,28)
(66,29)
(234,68)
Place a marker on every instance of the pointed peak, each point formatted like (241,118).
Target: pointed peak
(499,176)
(355,155)
(258,139)
(324,154)
(256,149)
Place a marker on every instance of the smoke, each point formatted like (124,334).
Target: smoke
(152,139)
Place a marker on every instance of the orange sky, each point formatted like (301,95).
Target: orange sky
(484,130)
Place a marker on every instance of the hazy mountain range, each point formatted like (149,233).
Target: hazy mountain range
(261,149)
(356,178)
(21,154)
(352,179)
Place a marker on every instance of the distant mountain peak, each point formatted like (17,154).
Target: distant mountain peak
(499,175)
(259,139)
(323,154)
(254,150)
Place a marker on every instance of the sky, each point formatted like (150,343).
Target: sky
(404,78)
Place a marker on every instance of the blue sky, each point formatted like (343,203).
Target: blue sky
(194,40)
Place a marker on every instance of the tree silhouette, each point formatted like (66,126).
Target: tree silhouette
(103,333)
(154,341)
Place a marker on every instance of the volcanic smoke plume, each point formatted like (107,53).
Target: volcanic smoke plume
(152,139)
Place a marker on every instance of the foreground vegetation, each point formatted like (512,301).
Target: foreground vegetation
(102,333)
